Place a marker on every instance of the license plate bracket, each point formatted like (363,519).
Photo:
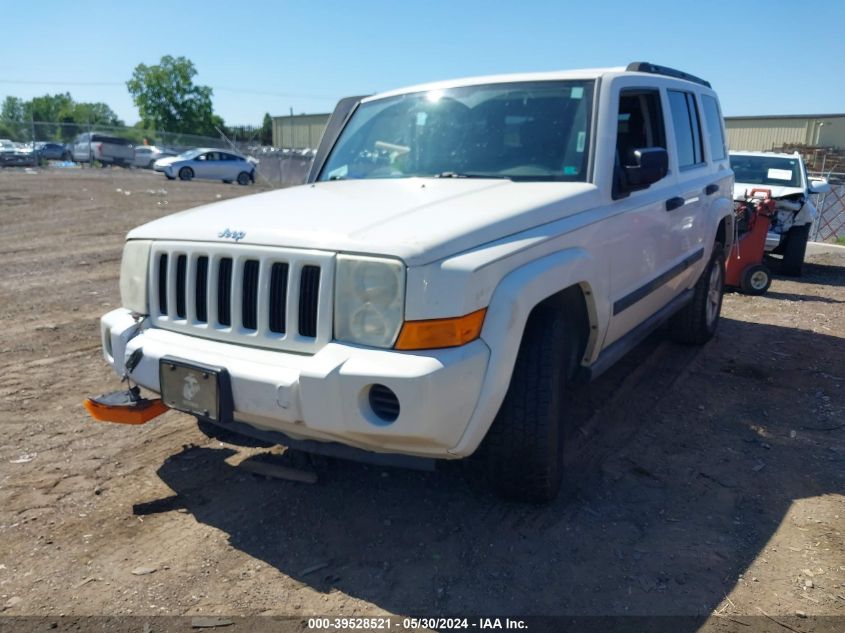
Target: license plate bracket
(196,388)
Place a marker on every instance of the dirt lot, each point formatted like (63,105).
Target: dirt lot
(703,480)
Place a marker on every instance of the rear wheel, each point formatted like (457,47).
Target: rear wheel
(756,279)
(243,178)
(696,323)
(794,251)
(521,457)
(186,173)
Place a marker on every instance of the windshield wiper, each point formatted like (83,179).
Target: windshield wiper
(467,174)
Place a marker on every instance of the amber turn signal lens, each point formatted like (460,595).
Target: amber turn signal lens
(435,333)
(137,414)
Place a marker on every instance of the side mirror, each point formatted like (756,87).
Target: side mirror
(650,165)
(819,185)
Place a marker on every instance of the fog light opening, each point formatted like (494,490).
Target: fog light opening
(383,403)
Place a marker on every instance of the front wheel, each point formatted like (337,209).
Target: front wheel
(243,178)
(696,323)
(186,173)
(794,251)
(521,457)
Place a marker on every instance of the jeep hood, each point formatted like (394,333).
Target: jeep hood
(418,220)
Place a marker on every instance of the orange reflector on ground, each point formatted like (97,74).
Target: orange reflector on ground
(124,407)
(435,333)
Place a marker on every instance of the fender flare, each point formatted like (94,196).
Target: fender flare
(516,295)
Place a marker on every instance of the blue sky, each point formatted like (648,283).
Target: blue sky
(763,57)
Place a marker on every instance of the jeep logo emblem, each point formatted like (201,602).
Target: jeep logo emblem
(232,235)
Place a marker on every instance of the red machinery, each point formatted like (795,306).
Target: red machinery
(745,268)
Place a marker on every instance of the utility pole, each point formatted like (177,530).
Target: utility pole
(291,127)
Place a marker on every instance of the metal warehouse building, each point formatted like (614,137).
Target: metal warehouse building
(756,133)
(299,131)
(760,133)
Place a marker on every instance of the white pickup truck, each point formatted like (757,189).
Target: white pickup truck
(89,147)
(785,175)
(463,253)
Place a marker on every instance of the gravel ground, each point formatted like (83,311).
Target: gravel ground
(702,481)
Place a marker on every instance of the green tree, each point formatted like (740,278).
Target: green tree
(13,109)
(267,130)
(168,99)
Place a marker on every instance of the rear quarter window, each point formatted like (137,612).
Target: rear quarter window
(715,133)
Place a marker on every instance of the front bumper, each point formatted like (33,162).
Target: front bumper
(323,396)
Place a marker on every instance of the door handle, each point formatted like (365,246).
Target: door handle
(711,189)
(674,203)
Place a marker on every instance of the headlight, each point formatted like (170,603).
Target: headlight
(369,300)
(133,275)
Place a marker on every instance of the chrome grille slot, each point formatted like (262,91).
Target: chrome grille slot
(276,298)
(309,293)
(162,284)
(224,292)
(201,290)
(249,298)
(181,272)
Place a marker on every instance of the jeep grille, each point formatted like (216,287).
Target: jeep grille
(249,295)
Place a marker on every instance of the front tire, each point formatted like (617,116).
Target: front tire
(794,251)
(696,323)
(186,173)
(521,457)
(243,178)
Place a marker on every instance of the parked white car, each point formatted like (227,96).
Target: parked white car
(786,176)
(464,253)
(210,164)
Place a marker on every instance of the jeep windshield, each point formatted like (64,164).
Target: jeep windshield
(775,171)
(536,131)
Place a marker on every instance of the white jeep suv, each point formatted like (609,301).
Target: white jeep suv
(463,253)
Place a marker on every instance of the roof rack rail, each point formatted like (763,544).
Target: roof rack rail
(648,67)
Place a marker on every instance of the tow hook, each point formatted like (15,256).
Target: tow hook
(124,407)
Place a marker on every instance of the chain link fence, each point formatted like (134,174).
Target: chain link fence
(277,166)
(830,223)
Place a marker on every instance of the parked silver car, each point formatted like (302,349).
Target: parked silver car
(211,164)
(147,155)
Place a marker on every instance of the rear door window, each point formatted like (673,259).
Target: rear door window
(685,121)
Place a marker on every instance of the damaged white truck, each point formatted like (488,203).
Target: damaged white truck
(463,254)
(785,175)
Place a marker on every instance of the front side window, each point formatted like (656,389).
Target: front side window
(520,131)
(639,124)
(687,128)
